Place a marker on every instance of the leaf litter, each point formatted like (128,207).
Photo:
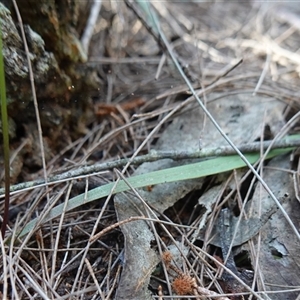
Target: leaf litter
(126,264)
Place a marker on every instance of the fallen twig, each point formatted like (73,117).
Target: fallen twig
(154,156)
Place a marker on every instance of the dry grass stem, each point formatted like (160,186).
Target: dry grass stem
(35,101)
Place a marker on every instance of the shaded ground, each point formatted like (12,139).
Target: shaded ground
(57,260)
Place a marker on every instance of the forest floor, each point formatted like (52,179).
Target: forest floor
(170,238)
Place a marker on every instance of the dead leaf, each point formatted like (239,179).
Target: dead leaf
(242,117)
(279,258)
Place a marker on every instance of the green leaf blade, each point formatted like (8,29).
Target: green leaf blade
(190,171)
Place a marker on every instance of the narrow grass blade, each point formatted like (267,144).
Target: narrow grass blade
(190,171)
(4,123)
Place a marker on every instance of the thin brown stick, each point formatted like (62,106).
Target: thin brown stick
(131,219)
(31,77)
(90,268)
(154,156)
